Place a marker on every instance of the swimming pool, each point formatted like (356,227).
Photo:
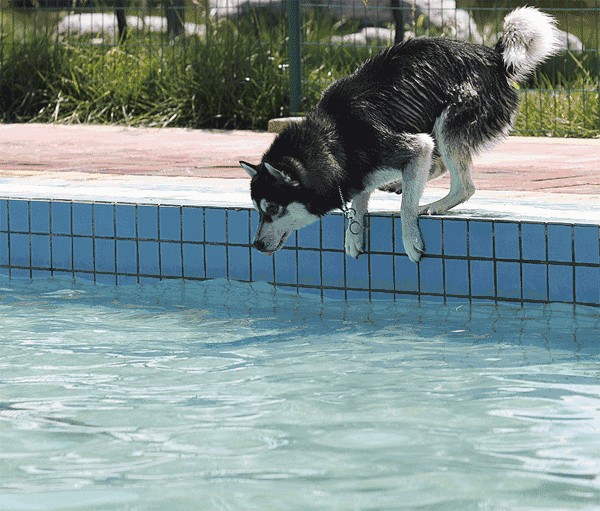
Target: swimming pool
(224,395)
(522,257)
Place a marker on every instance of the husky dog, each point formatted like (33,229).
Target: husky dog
(407,115)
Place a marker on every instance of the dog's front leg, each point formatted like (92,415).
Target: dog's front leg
(355,232)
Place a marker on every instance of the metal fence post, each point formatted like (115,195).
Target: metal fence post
(295,55)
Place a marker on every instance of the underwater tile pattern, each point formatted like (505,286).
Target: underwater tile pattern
(466,259)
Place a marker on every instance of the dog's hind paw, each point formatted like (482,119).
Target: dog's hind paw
(395,187)
(414,247)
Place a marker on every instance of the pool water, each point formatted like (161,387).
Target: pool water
(216,395)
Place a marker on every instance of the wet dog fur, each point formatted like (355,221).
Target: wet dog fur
(412,112)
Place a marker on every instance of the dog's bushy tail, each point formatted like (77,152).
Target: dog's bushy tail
(528,38)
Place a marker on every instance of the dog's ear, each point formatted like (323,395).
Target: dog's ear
(281,176)
(252,170)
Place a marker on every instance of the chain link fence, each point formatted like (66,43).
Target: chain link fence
(237,63)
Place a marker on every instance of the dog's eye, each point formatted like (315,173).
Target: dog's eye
(272,209)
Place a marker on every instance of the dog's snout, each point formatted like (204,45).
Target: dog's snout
(259,245)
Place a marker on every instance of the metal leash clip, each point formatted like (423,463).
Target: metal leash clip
(354,225)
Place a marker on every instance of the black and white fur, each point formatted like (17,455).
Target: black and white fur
(407,115)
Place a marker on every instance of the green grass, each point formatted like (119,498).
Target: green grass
(235,77)
(225,81)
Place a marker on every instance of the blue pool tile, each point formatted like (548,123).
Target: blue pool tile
(148,222)
(171,264)
(382,296)
(21,273)
(40,251)
(533,240)
(560,243)
(62,253)
(126,220)
(104,221)
(382,272)
(239,263)
(106,279)
(3,249)
(61,218)
(455,237)
(262,267)
(193,261)
(82,219)
(481,240)
(333,232)
(19,249)
(254,218)
(4,215)
(192,219)
(285,267)
(169,223)
(432,278)
(381,234)
(83,254)
(508,280)
(148,280)
(587,284)
(126,256)
(482,279)
(313,291)
(18,215)
(216,261)
(238,226)
(148,253)
(535,282)
(357,271)
(126,280)
(407,275)
(40,217)
(310,236)
(397,226)
(431,230)
(506,240)
(587,244)
(457,300)
(41,274)
(457,277)
(333,268)
(216,226)
(309,267)
(105,255)
(353,294)
(332,294)
(560,283)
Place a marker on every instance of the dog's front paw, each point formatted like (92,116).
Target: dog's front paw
(413,245)
(355,244)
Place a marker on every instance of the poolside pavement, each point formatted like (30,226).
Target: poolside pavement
(171,165)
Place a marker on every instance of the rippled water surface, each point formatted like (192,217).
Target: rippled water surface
(229,396)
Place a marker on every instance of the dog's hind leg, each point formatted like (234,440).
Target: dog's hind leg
(458,160)
(414,176)
(437,169)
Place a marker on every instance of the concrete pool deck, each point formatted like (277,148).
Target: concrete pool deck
(549,178)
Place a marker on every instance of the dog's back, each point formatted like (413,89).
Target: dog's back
(406,88)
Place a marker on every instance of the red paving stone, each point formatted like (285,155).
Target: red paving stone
(521,164)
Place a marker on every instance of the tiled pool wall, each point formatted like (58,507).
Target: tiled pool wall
(466,259)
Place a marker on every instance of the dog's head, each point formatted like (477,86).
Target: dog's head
(280,199)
